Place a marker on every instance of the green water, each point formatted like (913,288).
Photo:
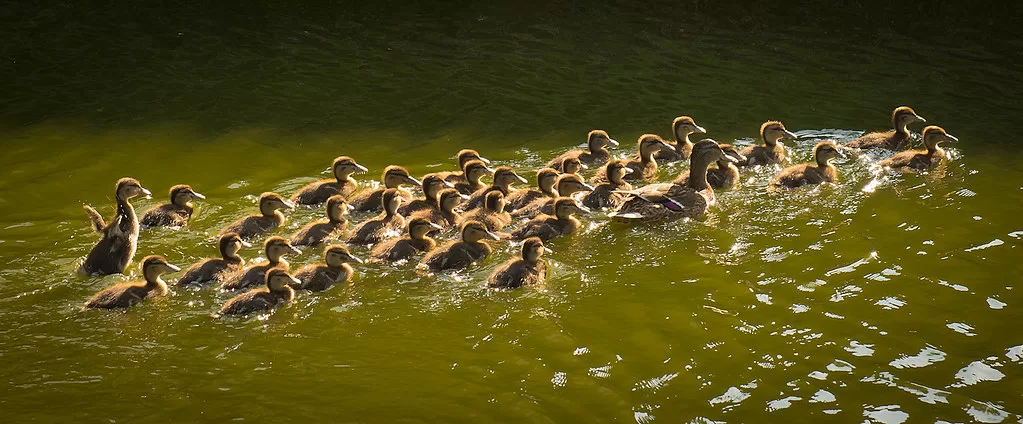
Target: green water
(829,304)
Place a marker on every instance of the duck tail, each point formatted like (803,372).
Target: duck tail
(97,220)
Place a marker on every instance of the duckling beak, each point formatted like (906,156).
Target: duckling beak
(295,280)
(734,159)
(355,259)
(522,180)
(583,209)
(173,268)
(484,160)
(464,196)
(492,236)
(628,170)
(791,134)
(547,250)
(664,145)
(147,193)
(490,171)
(919,118)
(448,184)
(198,196)
(294,250)
(435,226)
(611,142)
(951,138)
(413,181)
(360,169)
(699,130)
(245,243)
(587,187)
(583,166)
(349,207)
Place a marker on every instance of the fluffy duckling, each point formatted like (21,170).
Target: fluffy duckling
(822,171)
(113,253)
(922,159)
(492,214)
(464,157)
(504,177)
(432,185)
(334,270)
(545,178)
(461,254)
(417,240)
(645,166)
(771,152)
(177,212)
(126,295)
(444,213)
(565,186)
(277,293)
(379,228)
(681,148)
(269,217)
(725,175)
(572,166)
(664,200)
(896,139)
(597,142)
(547,227)
(317,231)
(527,271)
(275,249)
(394,176)
(342,185)
(474,171)
(607,194)
(215,269)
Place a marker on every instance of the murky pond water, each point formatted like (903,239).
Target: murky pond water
(900,303)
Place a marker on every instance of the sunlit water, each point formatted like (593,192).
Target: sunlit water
(884,298)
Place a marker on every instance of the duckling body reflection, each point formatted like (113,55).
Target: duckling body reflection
(417,241)
(126,295)
(444,213)
(546,227)
(492,214)
(504,177)
(896,139)
(393,178)
(275,248)
(565,186)
(681,148)
(277,293)
(529,270)
(821,171)
(269,217)
(597,142)
(725,175)
(177,212)
(545,179)
(461,254)
(342,185)
(919,160)
(113,253)
(771,152)
(644,167)
(607,194)
(215,269)
(381,227)
(318,231)
(334,270)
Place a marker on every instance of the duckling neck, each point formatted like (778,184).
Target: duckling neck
(682,138)
(597,148)
(286,292)
(698,174)
(267,210)
(276,260)
(153,279)
(822,162)
(127,212)
(344,178)
(548,190)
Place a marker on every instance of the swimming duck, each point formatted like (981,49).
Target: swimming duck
(547,227)
(384,225)
(545,178)
(443,213)
(605,195)
(645,166)
(572,166)
(474,170)
(725,175)
(177,212)
(394,176)
(504,177)
(896,139)
(269,217)
(317,231)
(771,152)
(680,149)
(461,254)
(417,240)
(922,159)
(126,295)
(432,185)
(822,171)
(277,293)
(526,271)
(343,184)
(565,186)
(597,142)
(275,248)
(334,270)
(492,214)
(664,200)
(113,253)
(464,157)
(215,269)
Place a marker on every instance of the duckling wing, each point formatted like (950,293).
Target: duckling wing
(793,176)
(316,192)
(97,220)
(367,200)
(873,140)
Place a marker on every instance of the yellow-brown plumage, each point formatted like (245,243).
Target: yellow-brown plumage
(332,227)
(504,177)
(464,157)
(771,152)
(445,212)
(596,152)
(175,213)
(644,166)
(275,248)
(565,186)
(547,227)
(417,241)
(821,171)
(334,270)
(470,182)
(126,295)
(113,252)
(896,139)
(725,175)
(277,293)
(386,225)
(215,269)
(471,249)
(919,160)
(432,185)
(393,178)
(492,214)
(528,270)
(604,194)
(341,185)
(681,148)
(545,179)
(269,217)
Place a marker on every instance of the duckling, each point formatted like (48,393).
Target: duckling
(645,166)
(547,227)
(922,159)
(275,248)
(504,177)
(126,295)
(681,128)
(572,166)
(461,254)
(177,212)
(317,231)
(664,200)
(565,186)
(417,240)
(432,185)
(113,253)
(820,172)
(343,184)
(379,228)
(444,213)
(215,269)
(725,175)
(277,293)
(607,194)
(394,176)
(269,217)
(474,170)
(527,271)
(492,214)
(597,142)
(771,152)
(896,139)
(335,269)
(464,156)
(545,178)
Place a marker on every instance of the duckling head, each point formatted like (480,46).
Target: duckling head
(825,151)
(683,126)
(772,131)
(395,176)
(418,228)
(276,247)
(545,179)
(277,279)
(181,195)
(707,151)
(336,255)
(154,266)
(934,134)
(598,139)
(903,116)
(732,153)
(130,187)
(650,144)
(345,166)
(475,169)
(616,171)
(505,176)
(433,184)
(569,184)
(337,208)
(474,231)
(466,155)
(271,202)
(449,199)
(230,244)
(573,165)
(565,207)
(494,201)
(532,249)
(391,200)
